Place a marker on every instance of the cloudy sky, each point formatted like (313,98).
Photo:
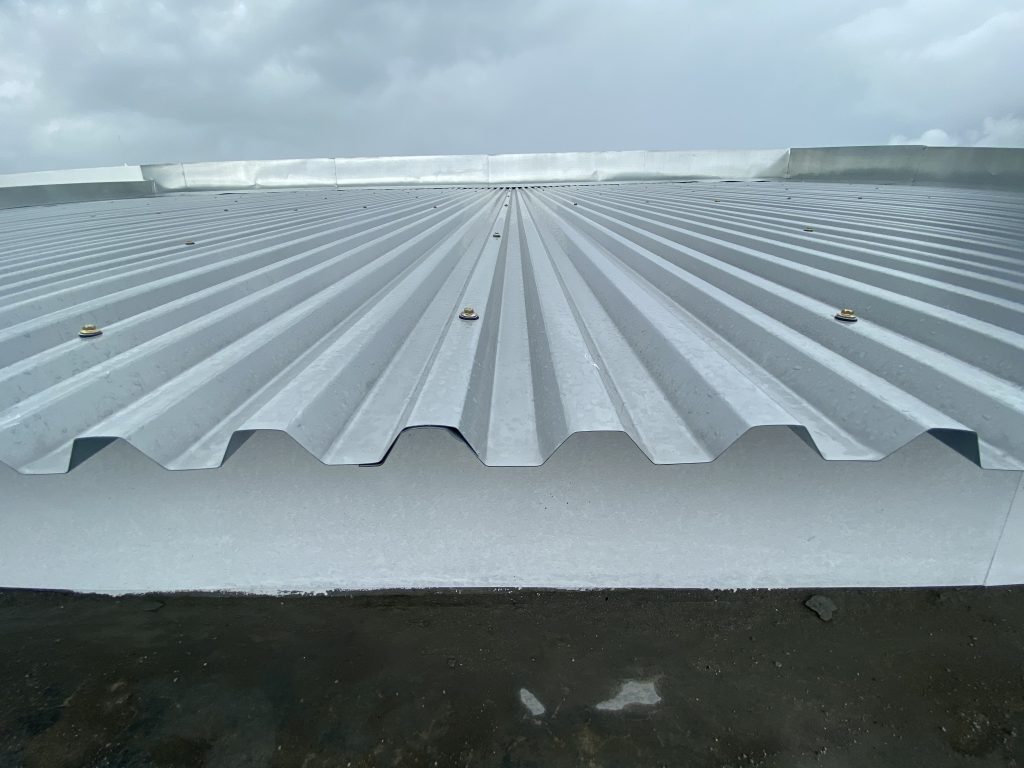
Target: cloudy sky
(126,81)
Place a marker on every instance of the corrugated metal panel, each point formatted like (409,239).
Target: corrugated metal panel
(683,314)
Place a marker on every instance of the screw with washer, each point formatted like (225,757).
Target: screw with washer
(89,330)
(846,315)
(468,313)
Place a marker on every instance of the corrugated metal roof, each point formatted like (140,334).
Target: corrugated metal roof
(683,314)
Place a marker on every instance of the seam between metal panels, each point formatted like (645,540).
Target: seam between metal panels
(1002,529)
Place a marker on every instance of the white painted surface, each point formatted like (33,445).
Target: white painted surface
(632,693)
(531,702)
(768,513)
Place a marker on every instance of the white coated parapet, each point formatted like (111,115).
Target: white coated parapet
(115,173)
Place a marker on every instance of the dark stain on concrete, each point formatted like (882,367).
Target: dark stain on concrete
(898,677)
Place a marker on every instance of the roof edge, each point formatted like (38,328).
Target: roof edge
(979,167)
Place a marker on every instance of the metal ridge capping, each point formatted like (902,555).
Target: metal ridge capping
(681,314)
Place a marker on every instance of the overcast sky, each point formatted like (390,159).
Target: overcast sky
(128,81)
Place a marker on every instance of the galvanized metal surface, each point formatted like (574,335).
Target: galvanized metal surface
(985,168)
(74,185)
(973,167)
(55,194)
(550,167)
(988,168)
(681,314)
(768,513)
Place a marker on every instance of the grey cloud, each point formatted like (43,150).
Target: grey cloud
(115,81)
(994,132)
(926,63)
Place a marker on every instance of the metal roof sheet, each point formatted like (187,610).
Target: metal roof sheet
(681,313)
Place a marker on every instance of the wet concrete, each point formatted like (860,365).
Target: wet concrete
(896,677)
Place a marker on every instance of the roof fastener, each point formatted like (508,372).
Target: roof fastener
(846,315)
(808,229)
(468,313)
(89,330)
(190,242)
(496,235)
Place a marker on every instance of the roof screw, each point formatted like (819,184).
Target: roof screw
(846,315)
(468,313)
(89,330)
(808,229)
(575,203)
(190,242)
(496,235)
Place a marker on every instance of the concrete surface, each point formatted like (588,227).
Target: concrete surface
(896,678)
